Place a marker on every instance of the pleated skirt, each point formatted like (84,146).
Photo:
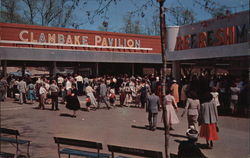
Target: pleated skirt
(209,132)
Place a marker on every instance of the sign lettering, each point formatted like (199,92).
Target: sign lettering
(222,36)
(27,36)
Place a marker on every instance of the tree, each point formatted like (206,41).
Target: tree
(221,11)
(32,10)
(214,8)
(65,15)
(181,15)
(155,24)
(152,25)
(131,25)
(48,10)
(9,11)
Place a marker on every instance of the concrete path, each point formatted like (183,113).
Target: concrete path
(113,126)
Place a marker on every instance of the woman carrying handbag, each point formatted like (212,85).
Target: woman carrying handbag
(208,120)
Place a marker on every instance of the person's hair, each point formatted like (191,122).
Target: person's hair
(193,95)
(152,91)
(214,89)
(233,84)
(143,81)
(168,91)
(207,97)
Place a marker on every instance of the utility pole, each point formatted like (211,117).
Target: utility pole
(164,73)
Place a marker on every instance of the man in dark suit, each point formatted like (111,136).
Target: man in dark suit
(153,105)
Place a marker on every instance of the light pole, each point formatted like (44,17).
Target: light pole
(164,72)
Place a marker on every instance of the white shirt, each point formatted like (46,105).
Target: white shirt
(47,86)
(216,98)
(68,85)
(234,93)
(42,90)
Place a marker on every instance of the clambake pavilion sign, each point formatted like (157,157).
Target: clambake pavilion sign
(32,36)
(29,36)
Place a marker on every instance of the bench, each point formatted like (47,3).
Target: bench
(133,151)
(11,136)
(79,143)
(6,155)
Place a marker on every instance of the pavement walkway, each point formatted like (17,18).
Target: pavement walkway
(113,126)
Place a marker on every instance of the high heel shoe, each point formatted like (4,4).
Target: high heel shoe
(211,144)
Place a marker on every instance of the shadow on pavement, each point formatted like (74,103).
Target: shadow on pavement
(189,149)
(202,146)
(173,155)
(178,135)
(135,106)
(66,115)
(83,109)
(146,127)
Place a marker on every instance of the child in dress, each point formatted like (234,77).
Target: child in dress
(112,97)
(88,103)
(215,95)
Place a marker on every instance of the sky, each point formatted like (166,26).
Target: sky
(116,12)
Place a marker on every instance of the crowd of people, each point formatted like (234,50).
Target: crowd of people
(201,96)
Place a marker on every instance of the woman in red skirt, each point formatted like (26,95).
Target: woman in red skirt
(208,120)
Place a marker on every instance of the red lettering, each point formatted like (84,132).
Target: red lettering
(187,42)
(179,43)
(202,40)
(229,35)
(219,37)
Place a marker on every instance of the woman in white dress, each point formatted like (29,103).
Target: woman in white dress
(90,92)
(170,105)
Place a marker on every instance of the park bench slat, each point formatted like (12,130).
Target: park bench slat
(14,140)
(7,135)
(83,153)
(80,143)
(6,155)
(134,151)
(123,157)
(9,131)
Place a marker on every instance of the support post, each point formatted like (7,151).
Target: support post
(133,69)
(52,72)
(176,70)
(164,73)
(97,69)
(4,68)
(23,69)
